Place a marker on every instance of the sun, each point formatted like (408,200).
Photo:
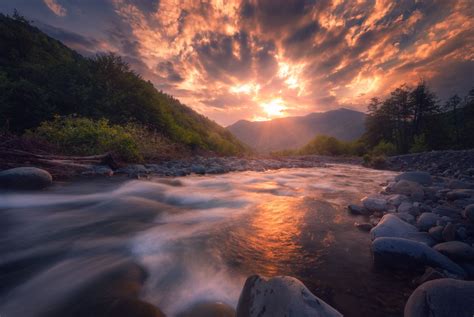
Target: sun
(274,108)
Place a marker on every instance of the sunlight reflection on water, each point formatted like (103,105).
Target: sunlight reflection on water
(200,237)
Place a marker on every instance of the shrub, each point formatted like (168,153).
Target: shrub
(419,144)
(384,148)
(83,136)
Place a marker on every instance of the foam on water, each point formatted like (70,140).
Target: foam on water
(198,237)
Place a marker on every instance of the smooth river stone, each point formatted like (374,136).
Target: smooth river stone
(442,298)
(408,254)
(392,226)
(280,296)
(422,178)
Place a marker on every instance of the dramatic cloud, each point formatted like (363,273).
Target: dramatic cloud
(55,7)
(262,59)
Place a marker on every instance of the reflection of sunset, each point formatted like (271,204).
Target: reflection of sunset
(276,231)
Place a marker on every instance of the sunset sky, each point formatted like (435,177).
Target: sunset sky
(259,60)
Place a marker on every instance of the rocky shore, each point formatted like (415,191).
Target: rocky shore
(425,224)
(455,164)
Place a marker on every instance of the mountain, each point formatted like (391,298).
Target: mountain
(294,132)
(41,78)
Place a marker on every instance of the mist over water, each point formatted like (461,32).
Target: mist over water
(198,237)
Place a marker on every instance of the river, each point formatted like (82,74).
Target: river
(198,237)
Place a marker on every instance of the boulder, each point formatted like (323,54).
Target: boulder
(456,250)
(397,199)
(436,232)
(409,254)
(447,211)
(405,207)
(429,275)
(392,226)
(405,216)
(198,169)
(468,212)
(441,298)
(25,178)
(449,232)
(374,203)
(422,178)
(427,220)
(460,194)
(280,296)
(413,190)
(357,210)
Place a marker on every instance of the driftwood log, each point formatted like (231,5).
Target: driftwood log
(61,166)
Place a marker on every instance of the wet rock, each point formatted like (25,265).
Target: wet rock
(280,296)
(408,254)
(447,211)
(117,307)
(461,233)
(374,203)
(357,210)
(208,309)
(397,199)
(134,170)
(457,184)
(427,220)
(411,189)
(364,226)
(441,298)
(468,212)
(422,178)
(449,232)
(392,226)
(436,233)
(25,178)
(456,250)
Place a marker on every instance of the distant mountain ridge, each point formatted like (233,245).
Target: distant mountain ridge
(294,132)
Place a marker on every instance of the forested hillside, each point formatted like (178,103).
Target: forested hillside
(42,80)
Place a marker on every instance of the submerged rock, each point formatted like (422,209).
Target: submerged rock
(364,226)
(25,178)
(357,210)
(408,254)
(422,178)
(280,296)
(442,298)
(392,226)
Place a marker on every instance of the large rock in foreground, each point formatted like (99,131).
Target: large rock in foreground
(407,254)
(25,178)
(442,298)
(392,226)
(280,296)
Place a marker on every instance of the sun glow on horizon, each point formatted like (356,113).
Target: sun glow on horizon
(274,108)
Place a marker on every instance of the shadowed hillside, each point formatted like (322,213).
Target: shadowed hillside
(41,79)
(294,132)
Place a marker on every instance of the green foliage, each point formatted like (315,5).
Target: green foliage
(84,136)
(383,148)
(419,144)
(326,145)
(412,120)
(40,77)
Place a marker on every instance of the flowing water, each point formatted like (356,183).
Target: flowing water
(198,237)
